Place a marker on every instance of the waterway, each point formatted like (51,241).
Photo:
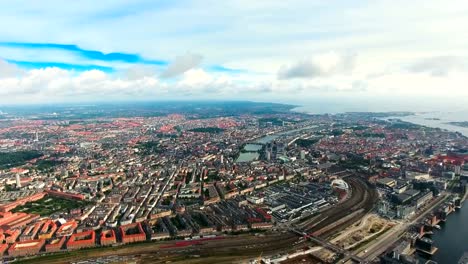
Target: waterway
(440,120)
(452,239)
(247,156)
(251,149)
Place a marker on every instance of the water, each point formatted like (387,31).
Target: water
(440,120)
(252,148)
(251,153)
(267,139)
(247,156)
(452,239)
(436,119)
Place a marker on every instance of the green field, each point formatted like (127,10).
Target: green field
(49,205)
(12,159)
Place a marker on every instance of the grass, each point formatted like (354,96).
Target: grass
(49,205)
(366,242)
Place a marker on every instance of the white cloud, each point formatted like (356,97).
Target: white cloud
(406,48)
(440,65)
(195,76)
(8,69)
(139,71)
(182,64)
(322,65)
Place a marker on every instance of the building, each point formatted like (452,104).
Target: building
(414,175)
(449,174)
(30,232)
(55,245)
(441,184)
(21,201)
(108,237)
(67,229)
(383,207)
(3,248)
(132,233)
(25,248)
(405,211)
(159,230)
(10,220)
(255,199)
(386,182)
(422,199)
(11,235)
(302,154)
(82,240)
(262,225)
(65,195)
(401,187)
(18,181)
(48,230)
(159,213)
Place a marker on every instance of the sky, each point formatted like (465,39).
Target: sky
(298,51)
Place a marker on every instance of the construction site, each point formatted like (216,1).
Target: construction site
(368,228)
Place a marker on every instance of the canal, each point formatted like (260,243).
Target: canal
(251,149)
(452,239)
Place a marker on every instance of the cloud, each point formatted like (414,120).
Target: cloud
(440,65)
(319,66)
(140,71)
(195,76)
(53,84)
(8,69)
(182,64)
(88,54)
(279,45)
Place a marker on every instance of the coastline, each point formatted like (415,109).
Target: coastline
(449,121)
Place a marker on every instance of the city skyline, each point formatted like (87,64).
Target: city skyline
(233,50)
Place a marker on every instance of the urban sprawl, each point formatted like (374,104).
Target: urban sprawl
(271,187)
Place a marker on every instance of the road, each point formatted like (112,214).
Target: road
(326,244)
(231,247)
(382,243)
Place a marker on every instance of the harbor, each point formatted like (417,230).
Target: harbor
(443,235)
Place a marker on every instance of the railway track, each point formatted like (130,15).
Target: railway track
(360,203)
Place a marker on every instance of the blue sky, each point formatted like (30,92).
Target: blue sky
(288,51)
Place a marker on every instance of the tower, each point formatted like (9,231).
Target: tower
(36,139)
(18,181)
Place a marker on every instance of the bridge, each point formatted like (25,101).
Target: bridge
(326,244)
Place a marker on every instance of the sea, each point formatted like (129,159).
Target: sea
(437,119)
